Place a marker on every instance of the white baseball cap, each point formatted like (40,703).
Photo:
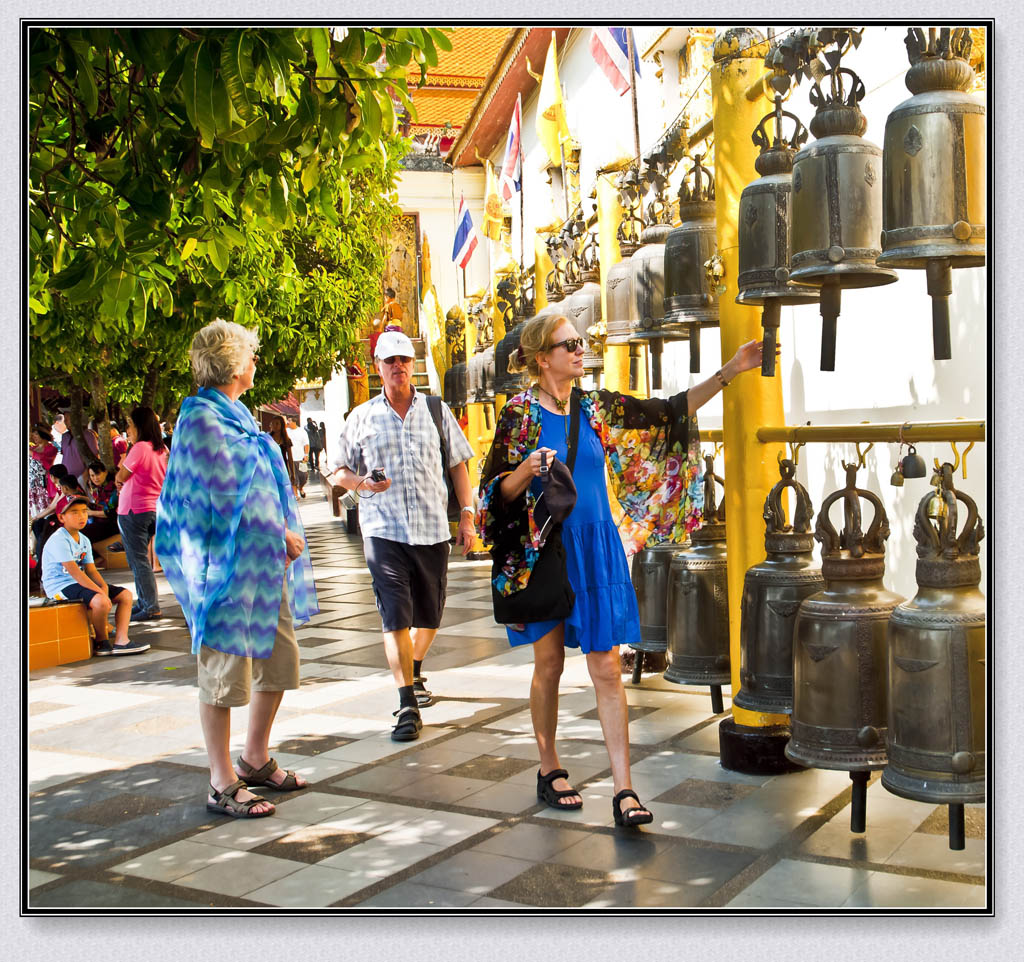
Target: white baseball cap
(394,344)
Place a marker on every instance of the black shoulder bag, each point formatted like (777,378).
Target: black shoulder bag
(548,594)
(454,508)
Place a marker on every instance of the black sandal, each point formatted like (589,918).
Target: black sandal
(552,796)
(407,728)
(631,816)
(424,698)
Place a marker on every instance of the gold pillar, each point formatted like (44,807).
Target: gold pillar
(542,266)
(751,400)
(476,420)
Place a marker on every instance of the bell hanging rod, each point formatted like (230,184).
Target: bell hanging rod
(913,431)
(759,88)
(701,133)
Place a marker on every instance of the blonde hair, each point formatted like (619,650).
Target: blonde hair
(536,339)
(220,351)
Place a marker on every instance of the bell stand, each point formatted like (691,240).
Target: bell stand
(892,432)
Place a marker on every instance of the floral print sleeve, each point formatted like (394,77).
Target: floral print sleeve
(652,448)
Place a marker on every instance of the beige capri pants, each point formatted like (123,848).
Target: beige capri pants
(225,680)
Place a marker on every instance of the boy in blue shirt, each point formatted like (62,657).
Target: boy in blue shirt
(70,574)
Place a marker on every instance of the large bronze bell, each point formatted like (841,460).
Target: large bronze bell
(840,689)
(764,215)
(481,376)
(698,602)
(650,575)
(772,592)
(456,386)
(691,303)
(837,205)
(583,307)
(506,382)
(647,267)
(937,665)
(933,172)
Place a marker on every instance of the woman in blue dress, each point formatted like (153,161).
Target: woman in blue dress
(648,450)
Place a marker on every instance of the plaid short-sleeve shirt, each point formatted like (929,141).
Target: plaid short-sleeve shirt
(414,509)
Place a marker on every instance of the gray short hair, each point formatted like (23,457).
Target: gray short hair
(220,351)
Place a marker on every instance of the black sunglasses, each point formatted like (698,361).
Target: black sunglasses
(397,359)
(571,344)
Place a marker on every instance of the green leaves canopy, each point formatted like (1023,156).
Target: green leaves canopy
(176,174)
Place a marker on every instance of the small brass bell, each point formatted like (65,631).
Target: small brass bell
(896,479)
(937,507)
(912,465)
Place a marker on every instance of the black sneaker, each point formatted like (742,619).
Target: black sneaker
(407,728)
(101,648)
(134,647)
(424,698)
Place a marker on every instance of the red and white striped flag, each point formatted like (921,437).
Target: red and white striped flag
(511,178)
(610,49)
(465,236)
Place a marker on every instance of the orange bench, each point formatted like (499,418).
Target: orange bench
(58,633)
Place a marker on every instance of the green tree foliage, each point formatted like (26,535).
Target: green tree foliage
(179,175)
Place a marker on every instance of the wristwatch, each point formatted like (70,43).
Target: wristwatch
(469,508)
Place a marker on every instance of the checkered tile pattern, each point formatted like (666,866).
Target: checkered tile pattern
(117,775)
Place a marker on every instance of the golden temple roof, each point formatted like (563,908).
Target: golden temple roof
(452,86)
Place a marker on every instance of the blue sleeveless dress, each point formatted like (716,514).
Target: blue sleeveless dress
(605,613)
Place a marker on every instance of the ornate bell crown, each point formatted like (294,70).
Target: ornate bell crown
(838,111)
(777,154)
(779,536)
(713,528)
(946,559)
(940,60)
(697,190)
(852,554)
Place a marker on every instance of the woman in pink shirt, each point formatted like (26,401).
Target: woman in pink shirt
(141,476)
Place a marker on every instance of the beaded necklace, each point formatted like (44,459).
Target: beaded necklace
(561,405)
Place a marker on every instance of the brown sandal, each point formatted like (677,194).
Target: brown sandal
(225,803)
(261,776)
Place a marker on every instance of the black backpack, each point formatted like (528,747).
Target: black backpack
(454,508)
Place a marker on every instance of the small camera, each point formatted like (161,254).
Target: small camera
(377,474)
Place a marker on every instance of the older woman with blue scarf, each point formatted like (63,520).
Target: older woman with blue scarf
(227,534)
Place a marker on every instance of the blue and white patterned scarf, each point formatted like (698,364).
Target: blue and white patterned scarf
(220,526)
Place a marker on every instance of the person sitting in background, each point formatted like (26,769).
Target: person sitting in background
(69,574)
(103,507)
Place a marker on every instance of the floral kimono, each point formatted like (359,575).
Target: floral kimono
(651,448)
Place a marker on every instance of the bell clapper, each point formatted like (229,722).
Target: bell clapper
(831,296)
(939,276)
(859,802)
(770,325)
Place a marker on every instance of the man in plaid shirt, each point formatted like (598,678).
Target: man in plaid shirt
(403,514)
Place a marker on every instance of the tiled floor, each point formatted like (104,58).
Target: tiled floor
(117,779)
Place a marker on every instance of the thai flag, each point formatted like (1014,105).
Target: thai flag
(465,236)
(610,49)
(512,166)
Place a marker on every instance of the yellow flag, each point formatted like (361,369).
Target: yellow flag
(491,226)
(552,128)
